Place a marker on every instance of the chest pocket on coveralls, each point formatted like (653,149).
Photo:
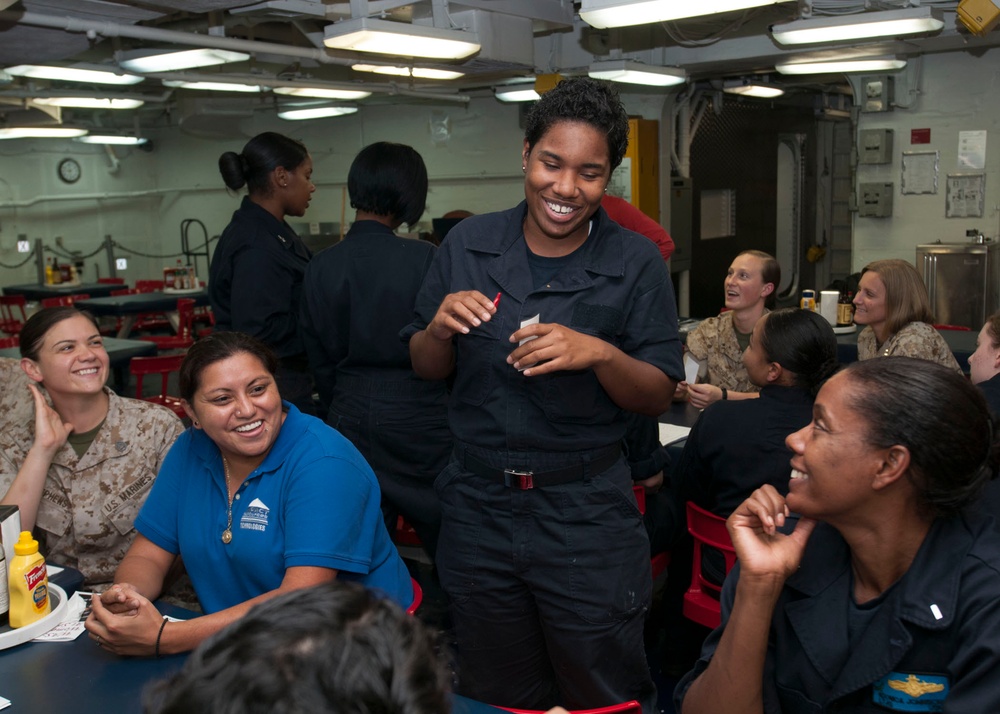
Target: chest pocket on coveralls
(477,354)
(578,397)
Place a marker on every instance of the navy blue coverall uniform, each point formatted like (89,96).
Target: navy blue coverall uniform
(358,295)
(548,573)
(255,282)
(933,645)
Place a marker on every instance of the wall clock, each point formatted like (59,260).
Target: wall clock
(69,170)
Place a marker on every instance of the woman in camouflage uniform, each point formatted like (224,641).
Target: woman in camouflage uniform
(750,285)
(81,468)
(893,306)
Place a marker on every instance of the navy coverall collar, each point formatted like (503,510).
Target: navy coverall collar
(602,253)
(282,232)
(368,229)
(820,618)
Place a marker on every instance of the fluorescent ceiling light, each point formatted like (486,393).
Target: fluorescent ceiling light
(315,112)
(40,132)
(637,73)
(517,93)
(623,13)
(73,74)
(366,34)
(863,25)
(749,88)
(89,102)
(116,139)
(213,86)
(166,60)
(322,92)
(876,64)
(416,72)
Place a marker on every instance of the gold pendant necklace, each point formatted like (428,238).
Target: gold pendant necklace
(227,535)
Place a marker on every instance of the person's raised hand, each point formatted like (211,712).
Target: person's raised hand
(51,432)
(701,395)
(553,348)
(459,313)
(764,551)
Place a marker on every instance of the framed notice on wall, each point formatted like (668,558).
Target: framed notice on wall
(964,195)
(718,213)
(919,172)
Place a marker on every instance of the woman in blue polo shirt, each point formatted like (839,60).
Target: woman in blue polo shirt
(256,498)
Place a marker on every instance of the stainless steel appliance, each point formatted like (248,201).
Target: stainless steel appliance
(962,279)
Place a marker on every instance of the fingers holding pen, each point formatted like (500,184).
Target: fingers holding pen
(462,311)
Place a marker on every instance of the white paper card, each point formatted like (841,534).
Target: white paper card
(693,368)
(669,433)
(530,321)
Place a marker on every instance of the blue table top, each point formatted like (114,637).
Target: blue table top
(140,302)
(55,677)
(36,291)
(119,351)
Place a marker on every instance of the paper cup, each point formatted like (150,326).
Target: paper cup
(828,305)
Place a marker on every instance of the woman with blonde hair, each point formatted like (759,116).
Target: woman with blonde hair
(749,288)
(893,307)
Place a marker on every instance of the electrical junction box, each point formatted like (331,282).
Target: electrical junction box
(875,146)
(877,93)
(875,200)
(980,16)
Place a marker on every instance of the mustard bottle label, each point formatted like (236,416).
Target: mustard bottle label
(37,584)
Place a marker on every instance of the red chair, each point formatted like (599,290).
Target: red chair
(661,561)
(204,315)
(185,329)
(148,286)
(111,281)
(960,328)
(405,534)
(112,331)
(63,300)
(163,366)
(623,708)
(418,597)
(701,601)
(150,320)
(7,342)
(12,313)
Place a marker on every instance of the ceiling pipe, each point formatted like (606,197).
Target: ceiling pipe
(107,29)
(155,34)
(390,89)
(44,93)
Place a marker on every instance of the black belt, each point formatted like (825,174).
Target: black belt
(524,479)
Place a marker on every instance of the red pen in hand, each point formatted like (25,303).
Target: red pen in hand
(496,301)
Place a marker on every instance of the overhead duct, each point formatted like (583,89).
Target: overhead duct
(507,41)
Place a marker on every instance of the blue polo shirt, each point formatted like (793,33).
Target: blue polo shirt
(314,501)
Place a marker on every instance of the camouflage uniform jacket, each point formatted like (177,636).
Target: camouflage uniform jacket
(714,339)
(15,399)
(85,518)
(916,339)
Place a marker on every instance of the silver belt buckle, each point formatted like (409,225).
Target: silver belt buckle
(522,480)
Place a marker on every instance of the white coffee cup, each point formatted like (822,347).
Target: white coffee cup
(828,305)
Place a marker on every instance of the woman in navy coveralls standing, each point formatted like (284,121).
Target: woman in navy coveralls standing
(553,319)
(255,280)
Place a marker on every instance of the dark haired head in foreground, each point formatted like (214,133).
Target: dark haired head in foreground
(330,648)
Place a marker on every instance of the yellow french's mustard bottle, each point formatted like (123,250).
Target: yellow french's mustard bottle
(29,583)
